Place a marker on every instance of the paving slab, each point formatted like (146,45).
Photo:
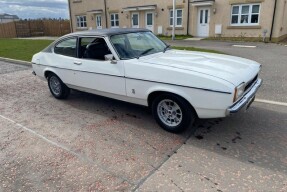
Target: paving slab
(246,152)
(119,138)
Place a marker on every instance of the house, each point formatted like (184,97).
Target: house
(6,18)
(200,18)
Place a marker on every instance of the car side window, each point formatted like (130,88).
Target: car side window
(67,47)
(93,48)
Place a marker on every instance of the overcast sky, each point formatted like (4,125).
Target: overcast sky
(32,9)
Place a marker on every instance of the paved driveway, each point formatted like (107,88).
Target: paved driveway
(90,143)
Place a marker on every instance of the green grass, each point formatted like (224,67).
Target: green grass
(177,37)
(21,49)
(197,49)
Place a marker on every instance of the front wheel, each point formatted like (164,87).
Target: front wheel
(173,113)
(58,89)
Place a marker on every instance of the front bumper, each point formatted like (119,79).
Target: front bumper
(246,100)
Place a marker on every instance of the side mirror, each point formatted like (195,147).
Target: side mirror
(110,57)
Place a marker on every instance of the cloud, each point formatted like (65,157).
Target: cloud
(31,9)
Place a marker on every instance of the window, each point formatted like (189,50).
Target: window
(99,21)
(94,48)
(67,47)
(135,45)
(178,17)
(114,20)
(81,21)
(247,14)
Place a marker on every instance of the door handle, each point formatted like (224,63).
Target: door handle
(77,63)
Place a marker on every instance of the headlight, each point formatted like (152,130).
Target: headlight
(239,90)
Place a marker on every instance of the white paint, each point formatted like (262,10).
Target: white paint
(149,21)
(245,46)
(99,21)
(159,30)
(218,29)
(271,102)
(157,72)
(203,22)
(135,19)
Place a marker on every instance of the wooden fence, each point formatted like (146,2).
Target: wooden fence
(8,30)
(34,28)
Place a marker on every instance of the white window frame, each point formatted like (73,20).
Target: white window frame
(249,15)
(100,21)
(176,17)
(114,21)
(132,15)
(81,21)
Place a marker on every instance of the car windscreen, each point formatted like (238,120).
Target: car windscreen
(135,45)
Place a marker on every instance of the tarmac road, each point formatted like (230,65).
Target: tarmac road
(91,143)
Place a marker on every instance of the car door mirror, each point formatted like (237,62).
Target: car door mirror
(110,57)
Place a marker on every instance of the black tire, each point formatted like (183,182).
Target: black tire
(171,124)
(61,91)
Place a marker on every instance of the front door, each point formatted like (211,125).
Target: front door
(149,21)
(203,22)
(135,20)
(99,21)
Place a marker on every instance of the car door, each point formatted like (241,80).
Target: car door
(93,72)
(61,61)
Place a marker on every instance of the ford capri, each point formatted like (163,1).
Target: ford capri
(134,66)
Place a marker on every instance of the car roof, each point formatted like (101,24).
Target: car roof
(96,32)
(107,32)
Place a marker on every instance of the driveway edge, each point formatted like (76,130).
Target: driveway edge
(15,61)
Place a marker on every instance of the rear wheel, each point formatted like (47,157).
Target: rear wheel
(173,113)
(58,89)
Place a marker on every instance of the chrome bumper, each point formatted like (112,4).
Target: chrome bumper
(246,100)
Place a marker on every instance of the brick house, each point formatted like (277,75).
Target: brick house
(200,18)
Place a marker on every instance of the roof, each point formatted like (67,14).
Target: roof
(97,32)
(8,16)
(109,32)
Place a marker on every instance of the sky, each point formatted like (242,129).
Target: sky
(33,9)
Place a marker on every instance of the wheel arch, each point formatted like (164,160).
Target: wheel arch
(155,93)
(49,71)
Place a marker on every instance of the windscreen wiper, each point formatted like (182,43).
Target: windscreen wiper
(167,46)
(145,52)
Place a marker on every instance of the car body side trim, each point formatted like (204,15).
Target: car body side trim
(199,88)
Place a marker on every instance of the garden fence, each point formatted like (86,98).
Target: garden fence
(34,28)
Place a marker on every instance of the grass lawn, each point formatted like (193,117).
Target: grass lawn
(177,37)
(21,49)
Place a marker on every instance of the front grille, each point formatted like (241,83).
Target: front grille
(250,83)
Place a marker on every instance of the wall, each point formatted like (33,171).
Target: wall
(280,24)
(221,14)
(116,6)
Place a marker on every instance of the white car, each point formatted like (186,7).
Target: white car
(133,65)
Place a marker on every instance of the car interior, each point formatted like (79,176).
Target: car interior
(93,48)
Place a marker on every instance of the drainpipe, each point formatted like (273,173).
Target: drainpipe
(106,17)
(273,19)
(187,32)
(173,23)
(71,17)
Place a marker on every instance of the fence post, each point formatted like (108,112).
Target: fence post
(16,31)
(44,30)
(61,28)
(30,35)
